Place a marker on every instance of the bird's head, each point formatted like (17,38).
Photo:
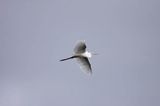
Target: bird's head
(89,55)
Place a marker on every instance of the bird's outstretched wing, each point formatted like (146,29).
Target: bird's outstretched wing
(85,65)
(80,47)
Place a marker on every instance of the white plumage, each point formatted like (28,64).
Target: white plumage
(82,55)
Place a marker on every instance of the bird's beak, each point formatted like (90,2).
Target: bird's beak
(95,54)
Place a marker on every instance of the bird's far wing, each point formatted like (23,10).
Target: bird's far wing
(80,47)
(85,65)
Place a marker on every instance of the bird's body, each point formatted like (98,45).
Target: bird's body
(87,54)
(82,56)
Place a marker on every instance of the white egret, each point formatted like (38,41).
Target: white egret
(82,55)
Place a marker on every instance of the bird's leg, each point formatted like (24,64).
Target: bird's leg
(69,58)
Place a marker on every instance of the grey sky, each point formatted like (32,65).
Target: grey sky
(36,34)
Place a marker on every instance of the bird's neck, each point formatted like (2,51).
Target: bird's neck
(87,54)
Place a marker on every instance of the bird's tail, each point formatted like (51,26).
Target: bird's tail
(68,58)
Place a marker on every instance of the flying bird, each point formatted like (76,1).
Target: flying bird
(82,56)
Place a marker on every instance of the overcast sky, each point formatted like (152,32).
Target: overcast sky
(36,34)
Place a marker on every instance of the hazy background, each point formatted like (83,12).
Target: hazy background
(36,34)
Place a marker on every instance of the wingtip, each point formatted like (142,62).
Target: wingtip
(81,40)
(89,72)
